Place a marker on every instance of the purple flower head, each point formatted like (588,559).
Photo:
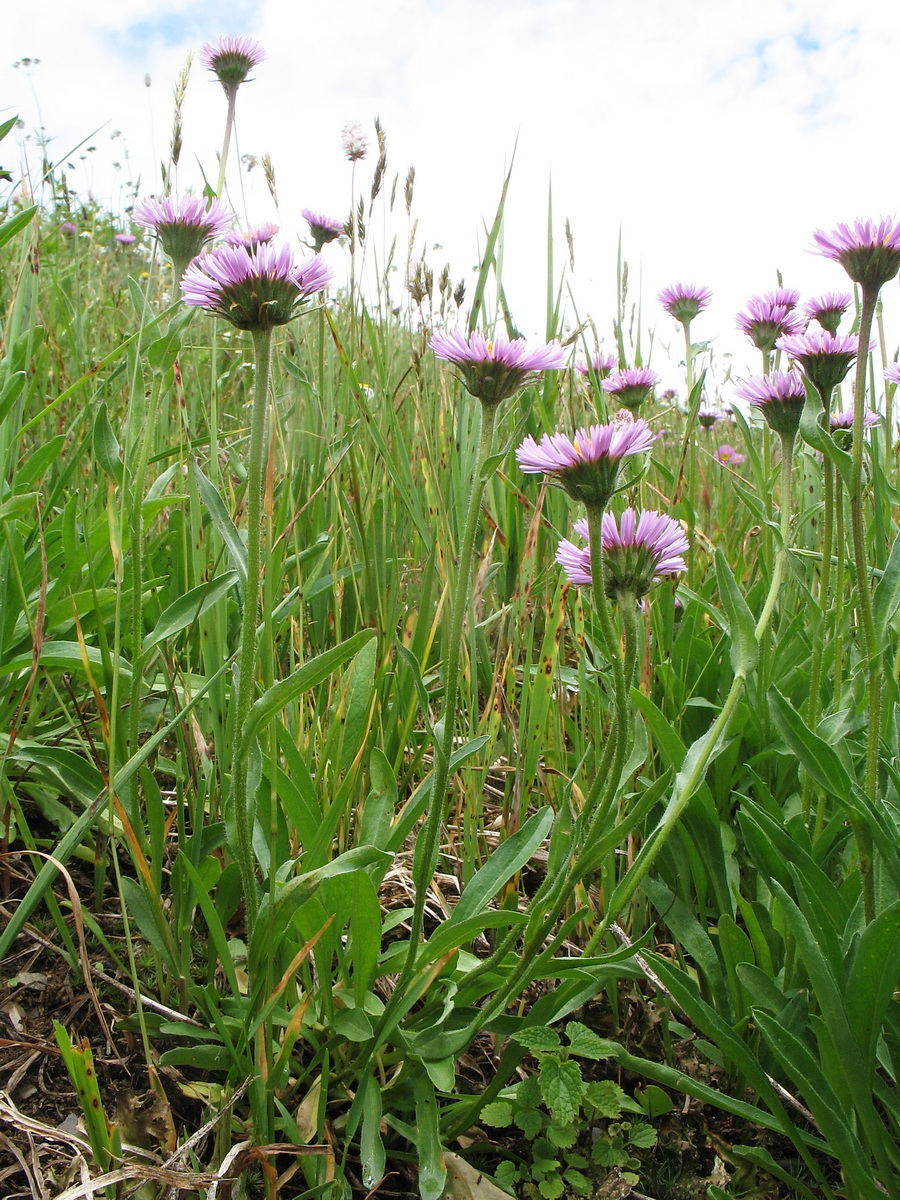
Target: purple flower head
(764,322)
(183,224)
(256,288)
(684,300)
(825,357)
(232,59)
(789,297)
(323,229)
(125,239)
(844,420)
(708,417)
(828,309)
(637,550)
(632,386)
(728,456)
(588,464)
(892,373)
(869,251)
(495,369)
(68,228)
(252,237)
(603,365)
(779,396)
(669,396)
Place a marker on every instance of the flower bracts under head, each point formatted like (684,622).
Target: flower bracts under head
(256,288)
(232,59)
(637,550)
(183,224)
(684,300)
(779,397)
(495,369)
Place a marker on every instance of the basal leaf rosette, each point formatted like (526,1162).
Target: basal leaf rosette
(255,288)
(638,549)
(493,369)
(587,465)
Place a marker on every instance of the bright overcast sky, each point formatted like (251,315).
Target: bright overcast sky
(718,134)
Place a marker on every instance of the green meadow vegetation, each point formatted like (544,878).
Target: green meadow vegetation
(350,848)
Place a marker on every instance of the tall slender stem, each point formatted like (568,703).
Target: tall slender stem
(231,90)
(864,588)
(243,821)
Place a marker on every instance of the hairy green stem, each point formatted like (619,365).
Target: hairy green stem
(864,587)
(231,90)
(256,474)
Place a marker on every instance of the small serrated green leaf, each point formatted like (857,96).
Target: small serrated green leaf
(561,1087)
(499,1114)
(642,1135)
(585,1043)
(551,1189)
(538,1039)
(606,1097)
(562,1135)
(529,1120)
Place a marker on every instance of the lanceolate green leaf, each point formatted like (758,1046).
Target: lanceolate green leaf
(741,626)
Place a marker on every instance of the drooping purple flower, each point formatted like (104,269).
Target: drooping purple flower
(183,224)
(602,364)
(125,239)
(323,229)
(252,237)
(588,464)
(256,288)
(637,550)
(708,417)
(828,309)
(892,373)
(779,397)
(232,59)
(728,456)
(869,251)
(684,300)
(632,386)
(764,322)
(825,357)
(495,369)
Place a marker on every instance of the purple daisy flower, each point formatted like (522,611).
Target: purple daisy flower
(764,322)
(67,228)
(251,237)
(632,386)
(588,464)
(125,239)
(256,288)
(232,59)
(789,297)
(183,224)
(684,300)
(637,550)
(602,364)
(779,396)
(728,456)
(869,251)
(844,420)
(825,357)
(708,417)
(828,309)
(495,369)
(323,229)
(892,373)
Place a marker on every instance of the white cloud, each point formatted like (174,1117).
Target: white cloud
(718,135)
